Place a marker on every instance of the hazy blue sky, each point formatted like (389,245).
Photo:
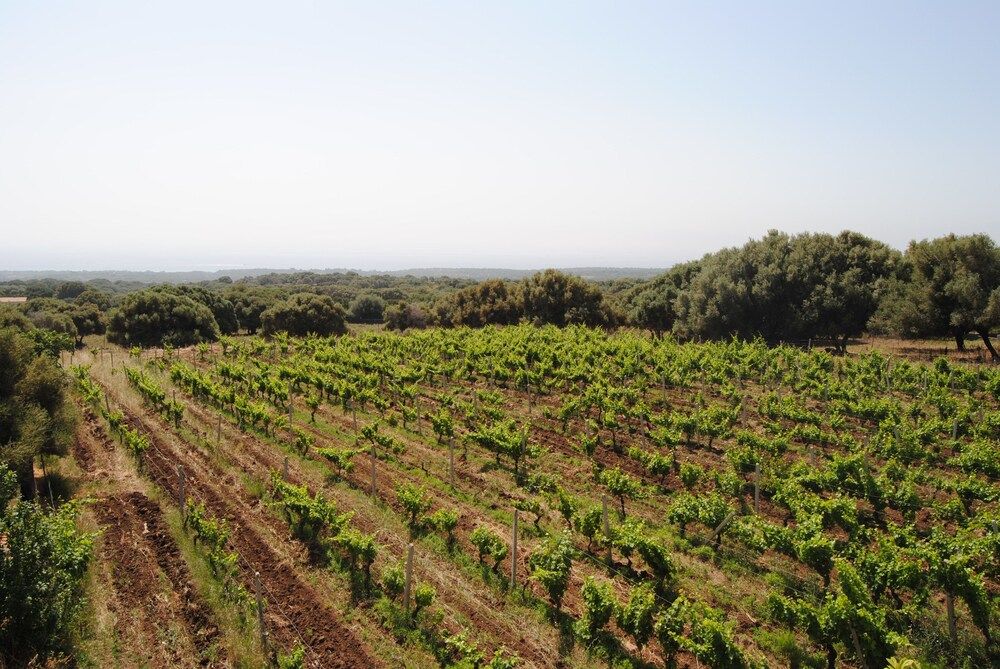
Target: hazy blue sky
(179,135)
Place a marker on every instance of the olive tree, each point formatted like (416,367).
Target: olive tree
(784,287)
(951,287)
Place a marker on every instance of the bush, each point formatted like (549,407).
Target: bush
(303,314)
(42,565)
(154,317)
(35,417)
(552,297)
(405,317)
(366,309)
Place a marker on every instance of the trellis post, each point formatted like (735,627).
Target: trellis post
(260,610)
(409,577)
(451,462)
(181,498)
(513,553)
(756,487)
(607,525)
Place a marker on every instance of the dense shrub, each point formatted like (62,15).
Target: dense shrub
(35,417)
(154,317)
(305,313)
(366,309)
(42,564)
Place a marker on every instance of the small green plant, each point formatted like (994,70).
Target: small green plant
(393,580)
(415,501)
(598,607)
(690,475)
(589,524)
(550,564)
(445,520)
(488,543)
(423,596)
(669,629)
(621,486)
(637,616)
(313,402)
(296,659)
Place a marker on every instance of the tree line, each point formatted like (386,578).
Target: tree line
(782,287)
(779,288)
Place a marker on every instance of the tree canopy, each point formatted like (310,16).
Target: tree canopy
(222,309)
(154,317)
(951,287)
(556,298)
(784,287)
(35,416)
(366,309)
(651,304)
(249,303)
(491,302)
(305,313)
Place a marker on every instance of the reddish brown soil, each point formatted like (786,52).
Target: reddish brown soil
(295,609)
(258,458)
(90,443)
(140,550)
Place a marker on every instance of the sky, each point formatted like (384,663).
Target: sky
(383,135)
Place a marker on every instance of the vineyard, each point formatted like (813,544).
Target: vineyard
(546,497)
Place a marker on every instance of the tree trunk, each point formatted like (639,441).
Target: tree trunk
(989,345)
(26,479)
(960,340)
(831,657)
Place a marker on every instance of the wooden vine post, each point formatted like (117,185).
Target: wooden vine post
(451,464)
(756,487)
(374,459)
(607,526)
(949,601)
(218,430)
(717,534)
(260,611)
(513,553)
(181,497)
(407,589)
(857,648)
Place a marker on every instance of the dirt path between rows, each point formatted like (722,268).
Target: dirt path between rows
(141,551)
(294,609)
